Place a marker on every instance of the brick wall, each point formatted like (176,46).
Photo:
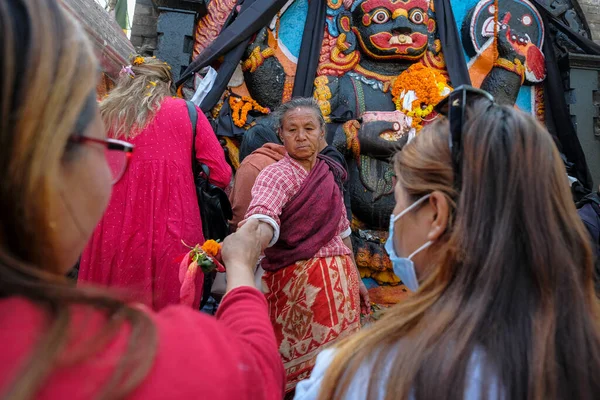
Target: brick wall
(591,10)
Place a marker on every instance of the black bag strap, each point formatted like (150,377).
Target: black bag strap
(193,112)
(194,119)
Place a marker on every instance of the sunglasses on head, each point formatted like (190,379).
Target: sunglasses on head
(453,107)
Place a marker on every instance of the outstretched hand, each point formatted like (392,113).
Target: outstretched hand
(240,254)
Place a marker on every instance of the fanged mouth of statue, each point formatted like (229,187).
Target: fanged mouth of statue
(401,39)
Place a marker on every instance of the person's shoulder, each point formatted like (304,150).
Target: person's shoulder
(171,104)
(264,156)
(590,217)
(23,323)
(276,172)
(309,389)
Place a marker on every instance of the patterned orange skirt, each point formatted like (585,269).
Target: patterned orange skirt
(311,304)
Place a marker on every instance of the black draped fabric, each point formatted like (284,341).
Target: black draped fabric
(558,111)
(230,62)
(244,26)
(226,70)
(312,41)
(451,44)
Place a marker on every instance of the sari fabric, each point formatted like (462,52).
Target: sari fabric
(312,303)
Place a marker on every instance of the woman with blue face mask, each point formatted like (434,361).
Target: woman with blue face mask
(404,267)
(486,235)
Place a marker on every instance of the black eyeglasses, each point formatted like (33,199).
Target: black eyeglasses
(118,153)
(453,107)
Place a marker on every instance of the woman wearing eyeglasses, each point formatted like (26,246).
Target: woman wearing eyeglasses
(153,209)
(486,234)
(58,341)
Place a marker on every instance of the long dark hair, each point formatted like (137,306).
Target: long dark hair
(47,71)
(511,280)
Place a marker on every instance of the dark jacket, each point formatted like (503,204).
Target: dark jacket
(332,152)
(589,212)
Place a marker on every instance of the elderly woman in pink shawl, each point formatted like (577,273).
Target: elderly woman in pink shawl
(311,282)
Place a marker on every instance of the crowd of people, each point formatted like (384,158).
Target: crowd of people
(484,232)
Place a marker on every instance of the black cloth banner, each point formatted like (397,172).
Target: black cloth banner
(558,111)
(226,70)
(230,62)
(312,41)
(451,44)
(244,26)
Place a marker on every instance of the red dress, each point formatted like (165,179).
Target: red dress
(153,208)
(232,357)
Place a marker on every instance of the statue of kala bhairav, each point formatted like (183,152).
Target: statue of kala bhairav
(376,41)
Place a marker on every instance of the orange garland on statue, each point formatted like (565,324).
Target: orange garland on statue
(240,107)
(429,86)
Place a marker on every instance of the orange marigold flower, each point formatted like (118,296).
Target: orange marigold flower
(211,247)
(138,60)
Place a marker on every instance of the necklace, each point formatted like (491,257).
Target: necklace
(372,79)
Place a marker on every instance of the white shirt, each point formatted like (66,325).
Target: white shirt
(309,388)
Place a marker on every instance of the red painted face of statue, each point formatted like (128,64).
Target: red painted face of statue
(393,29)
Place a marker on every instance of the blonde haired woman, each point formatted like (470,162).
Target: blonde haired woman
(486,232)
(153,207)
(58,341)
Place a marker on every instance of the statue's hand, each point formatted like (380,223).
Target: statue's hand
(373,145)
(505,47)
(261,41)
(257,52)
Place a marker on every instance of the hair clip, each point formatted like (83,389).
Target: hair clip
(127,70)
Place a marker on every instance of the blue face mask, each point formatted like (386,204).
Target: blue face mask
(404,268)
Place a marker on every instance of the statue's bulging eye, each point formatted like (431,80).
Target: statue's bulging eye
(381,17)
(417,17)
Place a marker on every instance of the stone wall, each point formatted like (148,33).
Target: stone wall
(144,35)
(591,10)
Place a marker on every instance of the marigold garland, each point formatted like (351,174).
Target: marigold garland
(429,87)
(240,107)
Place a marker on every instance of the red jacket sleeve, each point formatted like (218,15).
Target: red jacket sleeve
(239,312)
(210,152)
(234,356)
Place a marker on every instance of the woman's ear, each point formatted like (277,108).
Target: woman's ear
(441,214)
